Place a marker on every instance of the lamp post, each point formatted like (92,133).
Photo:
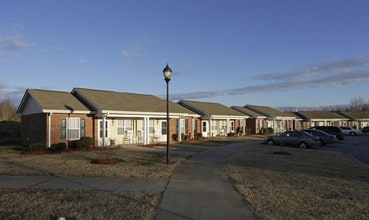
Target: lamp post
(167,72)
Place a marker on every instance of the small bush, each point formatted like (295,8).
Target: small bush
(59,147)
(175,137)
(267,130)
(248,131)
(87,141)
(230,134)
(37,147)
(77,144)
(81,143)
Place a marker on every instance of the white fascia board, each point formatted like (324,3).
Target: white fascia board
(65,111)
(228,117)
(284,118)
(144,114)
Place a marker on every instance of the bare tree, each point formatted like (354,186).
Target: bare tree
(8,111)
(358,108)
(358,104)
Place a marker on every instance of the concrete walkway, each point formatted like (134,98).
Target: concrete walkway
(201,189)
(85,183)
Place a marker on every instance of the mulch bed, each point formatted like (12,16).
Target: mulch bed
(105,161)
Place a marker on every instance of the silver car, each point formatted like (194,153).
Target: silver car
(293,138)
(325,138)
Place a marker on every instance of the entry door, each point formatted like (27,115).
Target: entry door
(232,126)
(103,132)
(205,128)
(163,134)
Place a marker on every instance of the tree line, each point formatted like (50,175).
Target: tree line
(8,111)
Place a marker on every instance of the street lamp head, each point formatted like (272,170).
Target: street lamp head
(167,72)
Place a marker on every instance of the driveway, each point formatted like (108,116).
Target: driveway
(356,146)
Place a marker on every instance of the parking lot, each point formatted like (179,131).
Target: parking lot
(356,146)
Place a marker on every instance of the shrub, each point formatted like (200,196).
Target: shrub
(87,141)
(81,143)
(270,130)
(230,134)
(248,131)
(77,144)
(175,137)
(267,130)
(37,147)
(59,147)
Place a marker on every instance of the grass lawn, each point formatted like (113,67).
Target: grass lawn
(300,184)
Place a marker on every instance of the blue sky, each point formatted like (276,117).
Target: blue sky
(234,52)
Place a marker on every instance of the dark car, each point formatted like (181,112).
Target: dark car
(325,138)
(293,138)
(365,130)
(331,130)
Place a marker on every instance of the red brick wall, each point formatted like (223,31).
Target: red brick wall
(56,120)
(33,129)
(172,127)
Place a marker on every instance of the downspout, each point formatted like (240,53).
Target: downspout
(49,130)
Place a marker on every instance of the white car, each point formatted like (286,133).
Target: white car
(351,131)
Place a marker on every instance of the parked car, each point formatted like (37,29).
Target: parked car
(365,130)
(331,130)
(325,138)
(293,138)
(351,131)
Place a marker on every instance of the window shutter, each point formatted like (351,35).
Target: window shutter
(63,128)
(83,127)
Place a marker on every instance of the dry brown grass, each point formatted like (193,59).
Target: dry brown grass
(76,204)
(306,184)
(136,162)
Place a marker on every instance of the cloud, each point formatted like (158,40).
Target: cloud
(337,73)
(327,68)
(82,60)
(14,94)
(11,45)
(132,52)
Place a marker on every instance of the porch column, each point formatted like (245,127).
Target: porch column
(228,127)
(146,130)
(210,131)
(103,130)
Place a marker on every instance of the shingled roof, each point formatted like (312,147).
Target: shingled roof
(49,101)
(354,115)
(248,112)
(320,115)
(268,111)
(102,100)
(210,109)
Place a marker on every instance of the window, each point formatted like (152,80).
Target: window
(204,129)
(163,127)
(120,127)
(73,128)
(213,125)
(151,127)
(102,129)
(128,126)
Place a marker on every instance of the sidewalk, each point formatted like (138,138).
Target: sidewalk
(201,189)
(85,183)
